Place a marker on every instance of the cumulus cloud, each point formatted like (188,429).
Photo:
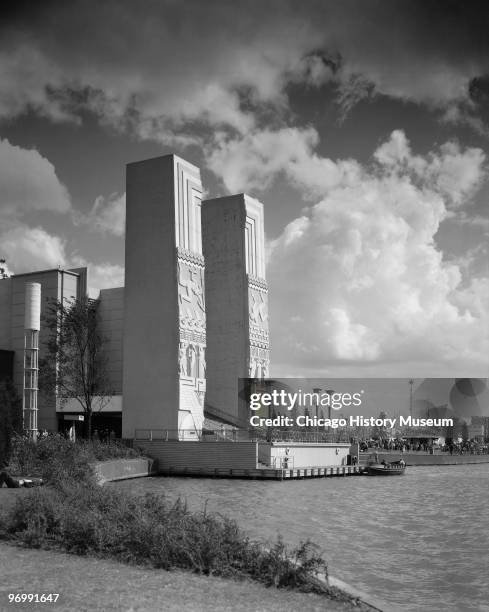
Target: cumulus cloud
(148,79)
(140,71)
(107,215)
(359,278)
(454,173)
(255,160)
(28,182)
(104,276)
(28,249)
(101,275)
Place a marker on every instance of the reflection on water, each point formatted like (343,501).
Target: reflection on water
(420,540)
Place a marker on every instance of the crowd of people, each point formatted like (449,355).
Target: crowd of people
(468,447)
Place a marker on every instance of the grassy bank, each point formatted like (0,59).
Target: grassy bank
(60,461)
(73,514)
(86,584)
(90,520)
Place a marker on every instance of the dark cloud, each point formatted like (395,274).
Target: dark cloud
(23,14)
(169,61)
(479,89)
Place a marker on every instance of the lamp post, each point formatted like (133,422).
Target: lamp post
(317,391)
(411,382)
(330,392)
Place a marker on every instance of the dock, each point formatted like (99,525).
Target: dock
(251,459)
(265,473)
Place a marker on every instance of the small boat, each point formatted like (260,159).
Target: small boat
(396,468)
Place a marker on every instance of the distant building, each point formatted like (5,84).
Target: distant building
(59,284)
(156,326)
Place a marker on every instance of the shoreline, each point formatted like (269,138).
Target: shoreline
(357,600)
(148,589)
(425,459)
(371,601)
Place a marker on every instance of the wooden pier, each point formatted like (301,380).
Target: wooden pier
(264,473)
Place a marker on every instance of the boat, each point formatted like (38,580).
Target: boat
(396,468)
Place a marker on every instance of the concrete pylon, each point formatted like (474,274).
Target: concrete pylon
(236,292)
(164,303)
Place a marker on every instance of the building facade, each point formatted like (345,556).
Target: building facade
(158,326)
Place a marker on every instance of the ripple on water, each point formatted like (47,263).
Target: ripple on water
(420,541)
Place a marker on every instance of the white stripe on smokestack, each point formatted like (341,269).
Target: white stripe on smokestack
(32,325)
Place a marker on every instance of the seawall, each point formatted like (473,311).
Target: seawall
(122,469)
(427,459)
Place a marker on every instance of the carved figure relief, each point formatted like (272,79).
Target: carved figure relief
(259,362)
(191,360)
(258,308)
(191,295)
(202,363)
(182,360)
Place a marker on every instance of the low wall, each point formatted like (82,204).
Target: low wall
(121,469)
(366,598)
(301,455)
(176,455)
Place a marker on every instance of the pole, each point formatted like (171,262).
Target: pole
(318,392)
(411,382)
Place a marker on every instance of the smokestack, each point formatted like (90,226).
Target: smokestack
(32,325)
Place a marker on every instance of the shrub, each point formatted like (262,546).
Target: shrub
(78,516)
(53,458)
(10,418)
(58,460)
(90,520)
(102,451)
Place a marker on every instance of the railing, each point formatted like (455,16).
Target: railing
(279,435)
(151,434)
(283,463)
(227,434)
(206,435)
(166,434)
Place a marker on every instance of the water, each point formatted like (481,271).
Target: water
(420,541)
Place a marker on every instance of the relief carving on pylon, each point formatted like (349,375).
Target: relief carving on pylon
(191,300)
(258,311)
(258,308)
(259,362)
(191,360)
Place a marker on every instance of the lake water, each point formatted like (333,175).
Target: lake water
(420,541)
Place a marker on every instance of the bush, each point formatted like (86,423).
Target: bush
(10,419)
(58,460)
(91,520)
(78,516)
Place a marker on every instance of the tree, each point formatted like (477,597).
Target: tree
(74,365)
(10,418)
(4,271)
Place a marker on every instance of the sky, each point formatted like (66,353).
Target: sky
(362,126)
(460,399)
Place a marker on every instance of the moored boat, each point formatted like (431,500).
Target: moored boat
(386,469)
